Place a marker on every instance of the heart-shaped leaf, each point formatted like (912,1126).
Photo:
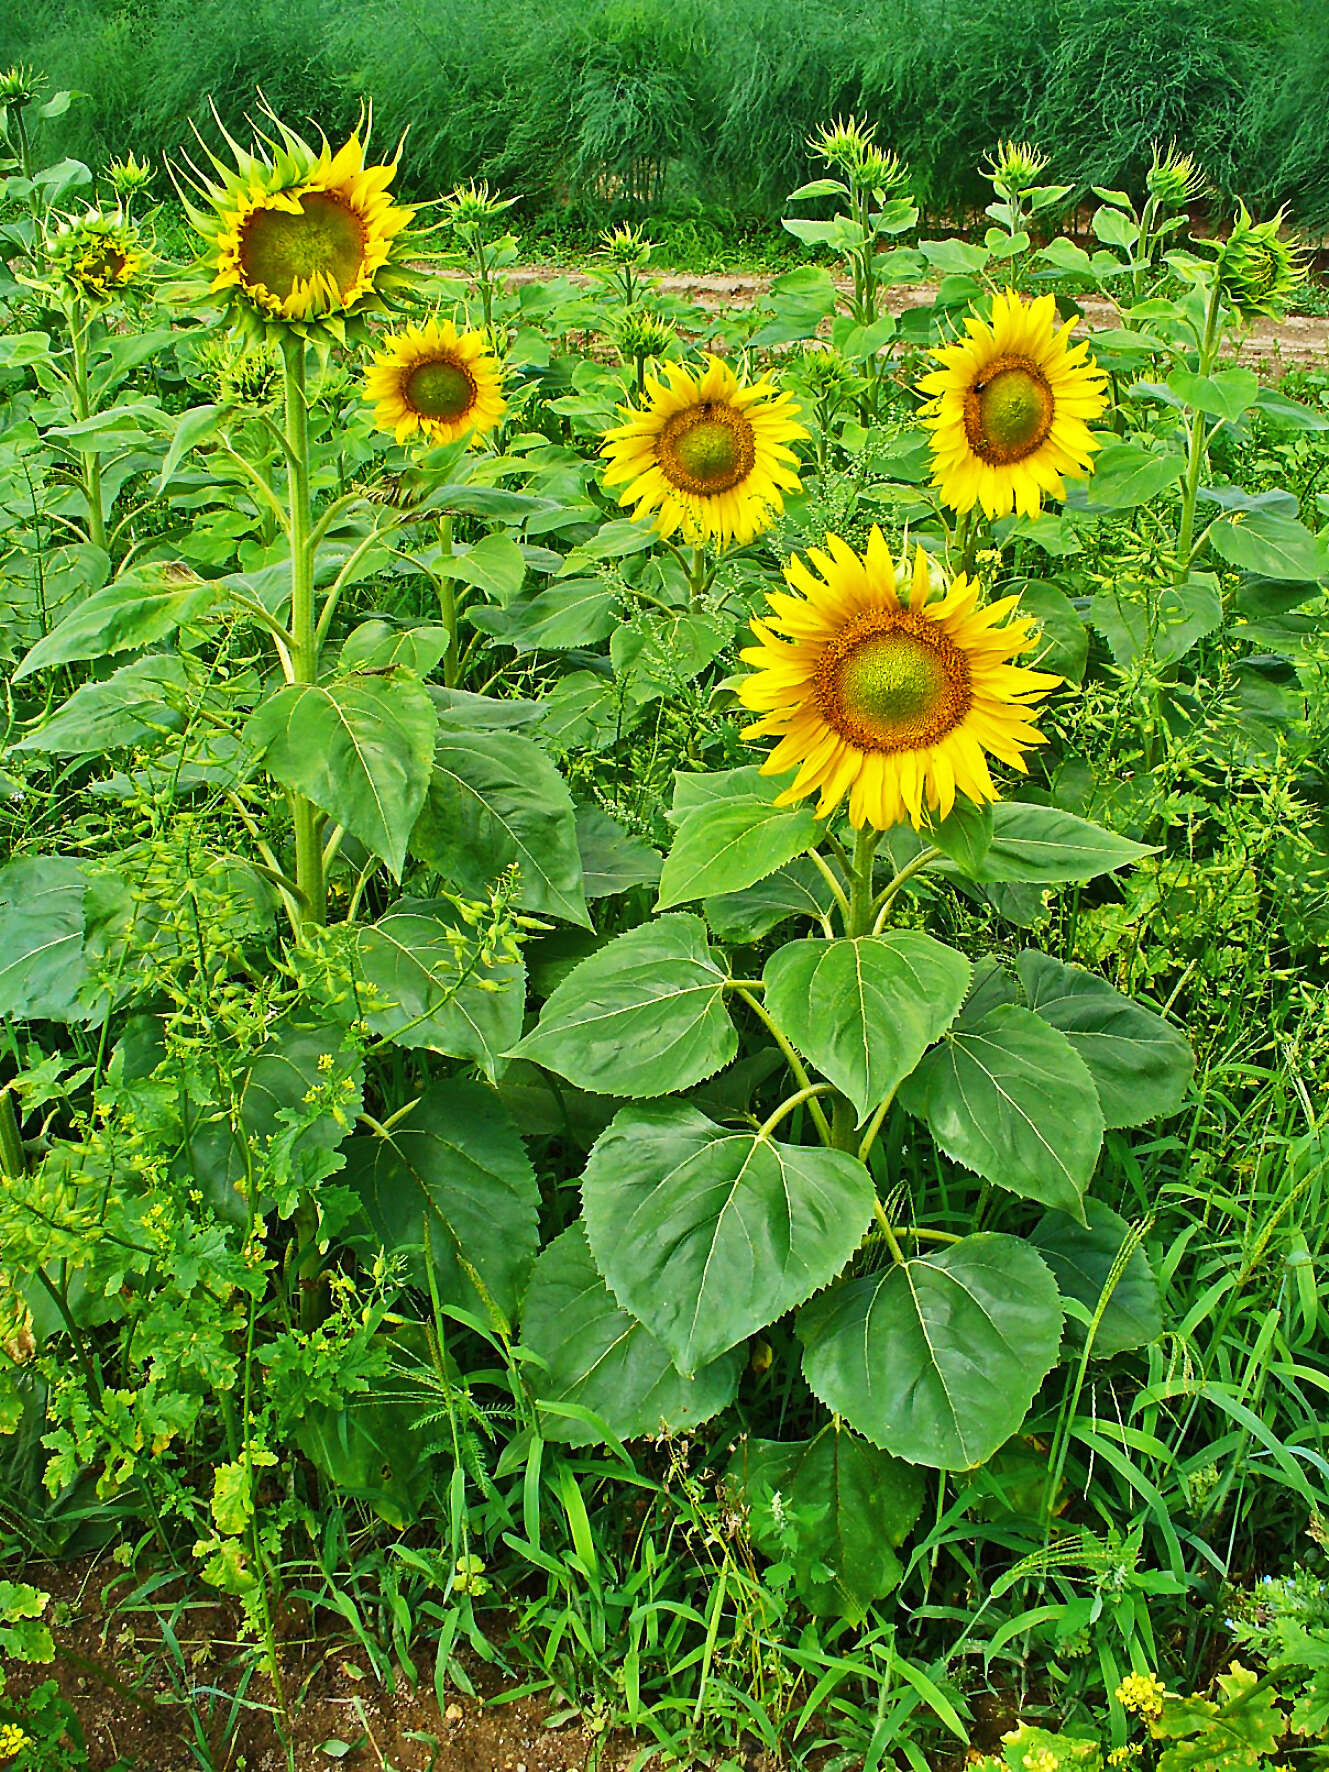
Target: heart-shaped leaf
(643,1016)
(708,1235)
(864,1011)
(937,1359)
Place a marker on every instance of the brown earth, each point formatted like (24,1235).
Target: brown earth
(1300,340)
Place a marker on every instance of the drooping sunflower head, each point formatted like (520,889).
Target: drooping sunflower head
(437,382)
(1011,409)
(301,238)
(1259,271)
(706,455)
(884,683)
(95,257)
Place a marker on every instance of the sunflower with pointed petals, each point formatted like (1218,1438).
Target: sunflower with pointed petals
(887,686)
(301,239)
(1011,409)
(437,381)
(706,455)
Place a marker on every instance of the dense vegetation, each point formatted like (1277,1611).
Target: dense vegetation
(704,105)
(483,1185)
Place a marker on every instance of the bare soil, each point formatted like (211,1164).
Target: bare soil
(1301,340)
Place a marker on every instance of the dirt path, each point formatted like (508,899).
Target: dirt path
(1301,339)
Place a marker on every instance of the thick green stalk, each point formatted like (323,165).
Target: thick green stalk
(304,627)
(92,462)
(13,1159)
(844,1130)
(1196,459)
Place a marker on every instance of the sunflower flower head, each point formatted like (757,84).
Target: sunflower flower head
(300,238)
(883,682)
(1173,178)
(95,257)
(1010,409)
(706,455)
(1259,271)
(1012,169)
(435,383)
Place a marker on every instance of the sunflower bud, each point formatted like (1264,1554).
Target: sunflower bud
(238,374)
(638,334)
(19,85)
(1173,178)
(96,256)
(129,178)
(850,148)
(627,248)
(1012,169)
(471,204)
(1258,272)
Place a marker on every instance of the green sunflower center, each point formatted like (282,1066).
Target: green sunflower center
(893,681)
(707,449)
(1008,411)
(278,249)
(440,389)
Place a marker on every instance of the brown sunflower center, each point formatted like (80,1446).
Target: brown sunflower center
(1008,411)
(441,389)
(893,681)
(279,249)
(707,449)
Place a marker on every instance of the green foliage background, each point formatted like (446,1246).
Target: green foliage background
(606,104)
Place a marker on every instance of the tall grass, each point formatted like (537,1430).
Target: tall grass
(602,105)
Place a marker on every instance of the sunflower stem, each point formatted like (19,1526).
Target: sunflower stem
(309,875)
(447,605)
(1198,450)
(80,326)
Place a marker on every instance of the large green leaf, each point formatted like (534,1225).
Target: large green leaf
(359,748)
(457,1165)
(141,701)
(864,1011)
(1126,475)
(1274,545)
(576,612)
(423,998)
(44,969)
(848,1504)
(936,1359)
(593,1355)
(1162,624)
(644,1016)
(1140,1063)
(1009,1097)
(731,843)
(706,1235)
(1045,844)
(1082,1258)
(496,800)
(1225,395)
(143,606)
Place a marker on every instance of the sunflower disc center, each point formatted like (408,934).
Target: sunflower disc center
(1008,412)
(440,389)
(278,250)
(707,449)
(893,682)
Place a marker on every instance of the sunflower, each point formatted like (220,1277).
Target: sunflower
(300,238)
(705,454)
(438,381)
(882,690)
(1011,409)
(97,256)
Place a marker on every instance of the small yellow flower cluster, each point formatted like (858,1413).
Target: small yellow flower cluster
(13,1740)
(1143,1693)
(1121,1756)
